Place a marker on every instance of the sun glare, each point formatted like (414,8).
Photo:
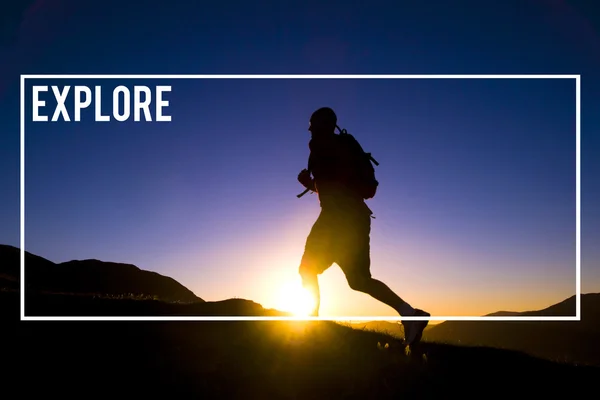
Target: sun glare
(293,298)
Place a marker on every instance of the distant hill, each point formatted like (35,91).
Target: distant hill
(570,341)
(88,277)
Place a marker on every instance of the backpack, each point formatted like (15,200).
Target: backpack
(366,182)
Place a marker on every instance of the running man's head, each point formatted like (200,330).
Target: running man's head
(323,122)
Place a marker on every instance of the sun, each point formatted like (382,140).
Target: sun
(293,298)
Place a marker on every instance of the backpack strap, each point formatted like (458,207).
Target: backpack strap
(345,132)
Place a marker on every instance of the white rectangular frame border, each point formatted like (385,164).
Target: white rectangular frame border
(577,316)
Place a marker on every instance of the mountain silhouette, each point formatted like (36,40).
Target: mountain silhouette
(89,277)
(225,359)
(568,341)
(98,288)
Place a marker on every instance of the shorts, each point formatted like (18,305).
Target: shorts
(342,238)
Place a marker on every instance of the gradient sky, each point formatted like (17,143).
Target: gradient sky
(476,207)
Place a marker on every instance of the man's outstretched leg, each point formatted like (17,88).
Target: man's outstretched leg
(413,330)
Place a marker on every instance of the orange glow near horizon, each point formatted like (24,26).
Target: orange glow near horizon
(433,281)
(274,283)
(293,298)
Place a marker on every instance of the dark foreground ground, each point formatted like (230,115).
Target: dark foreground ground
(295,360)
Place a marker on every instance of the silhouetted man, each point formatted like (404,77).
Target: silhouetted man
(341,233)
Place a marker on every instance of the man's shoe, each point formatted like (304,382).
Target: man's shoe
(413,330)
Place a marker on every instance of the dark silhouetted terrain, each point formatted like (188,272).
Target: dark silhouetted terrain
(89,277)
(389,328)
(260,359)
(289,360)
(570,341)
(567,341)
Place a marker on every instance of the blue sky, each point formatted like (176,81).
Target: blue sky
(476,209)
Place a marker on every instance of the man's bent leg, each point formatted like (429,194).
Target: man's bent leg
(413,330)
(356,264)
(379,291)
